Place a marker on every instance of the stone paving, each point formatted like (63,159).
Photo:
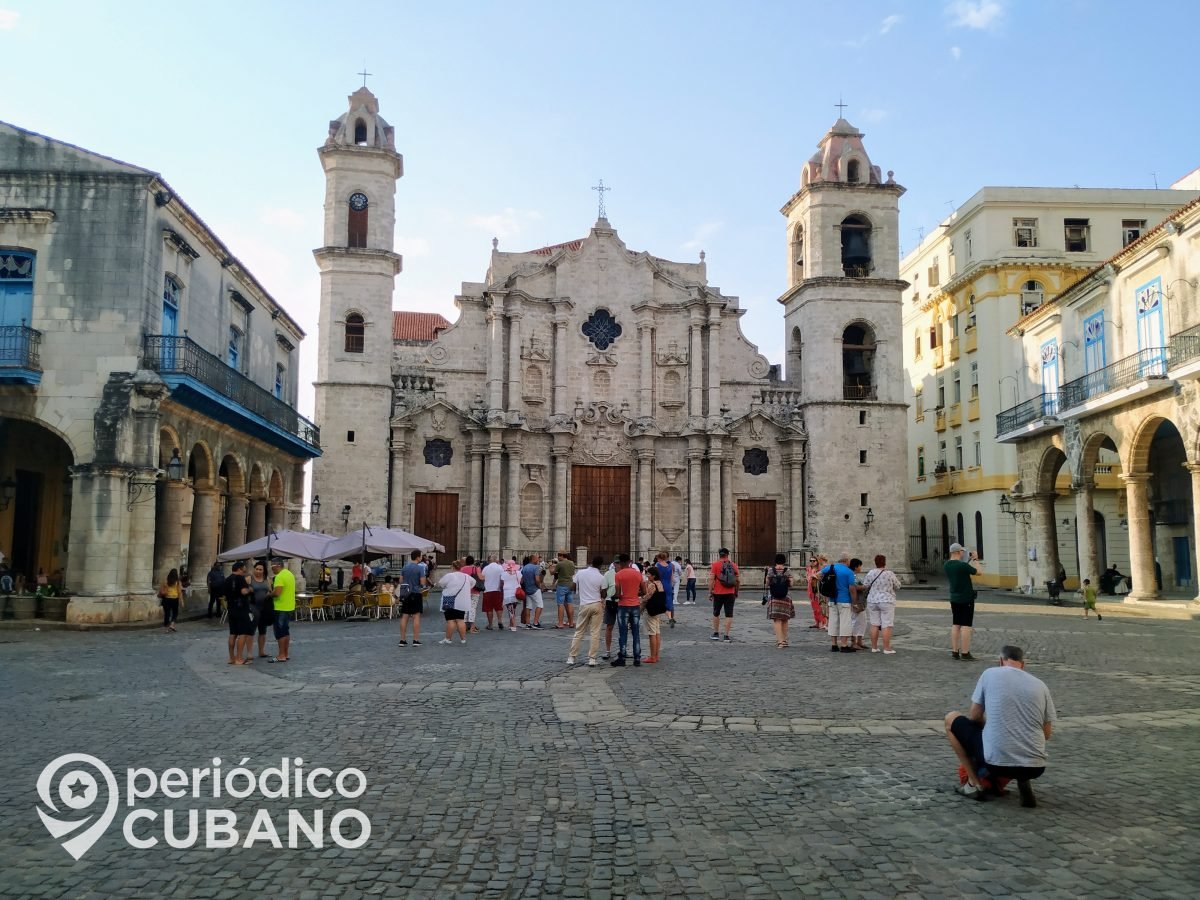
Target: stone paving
(725,771)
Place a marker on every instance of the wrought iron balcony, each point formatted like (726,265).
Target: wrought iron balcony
(857,389)
(203,381)
(1141,366)
(1185,347)
(20,354)
(1040,408)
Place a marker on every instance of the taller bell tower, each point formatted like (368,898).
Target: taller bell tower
(842,312)
(358,269)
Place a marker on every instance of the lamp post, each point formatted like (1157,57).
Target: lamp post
(870,517)
(315,506)
(346,516)
(1006,507)
(175,467)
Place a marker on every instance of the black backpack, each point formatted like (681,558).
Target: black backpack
(727,575)
(828,585)
(777,583)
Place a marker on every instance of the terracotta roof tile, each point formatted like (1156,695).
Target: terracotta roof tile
(417,326)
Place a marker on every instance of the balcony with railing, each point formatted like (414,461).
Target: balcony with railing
(1183,360)
(857,388)
(204,382)
(1143,373)
(1032,417)
(20,355)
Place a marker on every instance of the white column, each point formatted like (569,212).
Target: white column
(715,452)
(495,360)
(168,527)
(714,360)
(560,366)
(695,365)
(646,383)
(514,361)
(475,503)
(512,524)
(1141,549)
(202,551)
(258,518)
(1045,531)
(492,513)
(795,467)
(695,501)
(235,522)
(645,504)
(727,500)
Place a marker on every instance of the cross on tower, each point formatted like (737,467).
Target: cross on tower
(600,188)
(364,73)
(841,107)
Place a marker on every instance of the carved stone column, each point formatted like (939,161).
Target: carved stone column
(1141,544)
(715,453)
(492,513)
(696,364)
(1045,536)
(646,381)
(202,550)
(235,522)
(495,360)
(257,526)
(1085,531)
(168,527)
(512,523)
(695,502)
(514,361)
(560,503)
(400,514)
(560,363)
(727,500)
(1194,469)
(714,360)
(643,528)
(276,516)
(794,460)
(475,500)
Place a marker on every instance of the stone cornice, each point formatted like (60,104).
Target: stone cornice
(16,215)
(324,254)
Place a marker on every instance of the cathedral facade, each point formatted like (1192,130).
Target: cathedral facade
(595,398)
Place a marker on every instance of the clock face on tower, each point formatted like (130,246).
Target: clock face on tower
(358,201)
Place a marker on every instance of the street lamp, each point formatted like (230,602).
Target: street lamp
(868,520)
(346,516)
(175,467)
(315,506)
(1007,507)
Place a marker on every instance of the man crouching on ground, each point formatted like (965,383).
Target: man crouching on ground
(1004,735)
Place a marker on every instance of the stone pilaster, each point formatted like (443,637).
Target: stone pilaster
(560,502)
(1141,548)
(495,359)
(560,358)
(696,363)
(727,500)
(714,359)
(168,527)
(492,513)
(645,329)
(1085,530)
(695,499)
(475,499)
(399,498)
(514,360)
(645,500)
(715,452)
(512,518)
(1045,536)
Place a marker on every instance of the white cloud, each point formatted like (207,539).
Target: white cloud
(9,19)
(507,223)
(889,23)
(956,52)
(978,14)
(885,26)
(283,217)
(702,234)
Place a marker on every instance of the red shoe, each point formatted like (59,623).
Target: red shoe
(650,659)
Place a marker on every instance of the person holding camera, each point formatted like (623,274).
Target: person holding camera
(962,599)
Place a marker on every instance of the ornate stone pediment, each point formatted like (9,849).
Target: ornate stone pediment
(535,350)
(600,412)
(672,356)
(601,359)
(601,443)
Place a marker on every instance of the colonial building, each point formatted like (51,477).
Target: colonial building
(996,258)
(1131,389)
(147,383)
(593,396)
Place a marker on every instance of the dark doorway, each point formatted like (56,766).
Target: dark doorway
(756,532)
(435,516)
(25,523)
(600,509)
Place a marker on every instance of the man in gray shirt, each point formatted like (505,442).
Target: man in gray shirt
(1004,735)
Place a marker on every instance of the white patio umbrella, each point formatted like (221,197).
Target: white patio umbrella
(373,541)
(292,544)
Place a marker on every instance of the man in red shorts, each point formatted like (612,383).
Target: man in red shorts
(493,593)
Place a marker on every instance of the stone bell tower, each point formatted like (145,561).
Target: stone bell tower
(842,312)
(358,270)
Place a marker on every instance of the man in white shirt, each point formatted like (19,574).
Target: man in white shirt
(590,587)
(493,592)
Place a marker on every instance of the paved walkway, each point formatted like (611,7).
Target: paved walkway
(726,771)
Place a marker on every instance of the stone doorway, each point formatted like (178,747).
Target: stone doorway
(435,516)
(756,544)
(600,509)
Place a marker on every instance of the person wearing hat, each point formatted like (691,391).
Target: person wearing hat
(285,604)
(962,600)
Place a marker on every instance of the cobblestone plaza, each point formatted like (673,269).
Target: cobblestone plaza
(725,771)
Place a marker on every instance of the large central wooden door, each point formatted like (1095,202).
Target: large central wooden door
(435,516)
(756,532)
(600,509)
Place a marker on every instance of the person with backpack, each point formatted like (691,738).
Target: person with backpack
(216,589)
(780,609)
(725,578)
(837,584)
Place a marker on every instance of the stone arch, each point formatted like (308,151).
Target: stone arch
(360,132)
(275,488)
(672,386)
(672,515)
(853,171)
(1089,454)
(798,251)
(1050,464)
(232,470)
(856,230)
(1137,453)
(58,433)
(355,327)
(258,481)
(168,440)
(200,466)
(858,361)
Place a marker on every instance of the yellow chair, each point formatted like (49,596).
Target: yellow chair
(333,603)
(316,607)
(387,605)
(367,604)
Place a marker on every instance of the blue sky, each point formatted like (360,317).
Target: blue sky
(699,115)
